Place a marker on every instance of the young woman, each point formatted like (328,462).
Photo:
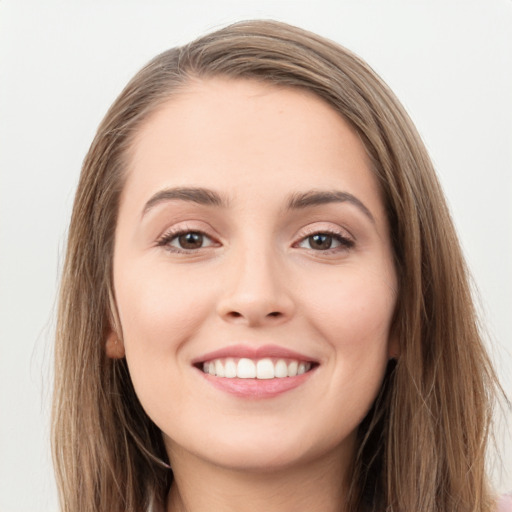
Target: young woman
(264,305)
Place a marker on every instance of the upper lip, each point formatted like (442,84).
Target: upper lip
(252,352)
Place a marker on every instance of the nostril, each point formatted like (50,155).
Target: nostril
(253,315)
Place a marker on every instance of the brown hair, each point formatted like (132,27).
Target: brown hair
(423,444)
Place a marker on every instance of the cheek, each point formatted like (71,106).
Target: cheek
(354,318)
(158,310)
(159,314)
(354,311)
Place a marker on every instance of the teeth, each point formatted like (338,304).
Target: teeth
(292,368)
(265,369)
(261,369)
(281,370)
(246,369)
(230,368)
(219,368)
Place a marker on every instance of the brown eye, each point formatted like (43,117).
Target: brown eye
(185,241)
(191,240)
(326,241)
(320,241)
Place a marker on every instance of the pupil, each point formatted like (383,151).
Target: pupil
(191,240)
(320,241)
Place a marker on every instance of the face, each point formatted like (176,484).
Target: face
(253,276)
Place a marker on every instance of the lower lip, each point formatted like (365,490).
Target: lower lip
(257,388)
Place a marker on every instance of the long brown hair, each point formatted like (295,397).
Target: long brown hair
(423,444)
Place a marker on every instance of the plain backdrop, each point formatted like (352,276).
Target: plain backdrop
(63,63)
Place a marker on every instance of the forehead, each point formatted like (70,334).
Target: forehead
(247,135)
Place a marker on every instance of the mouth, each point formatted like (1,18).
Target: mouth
(255,372)
(264,368)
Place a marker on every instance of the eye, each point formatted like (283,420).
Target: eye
(185,241)
(326,241)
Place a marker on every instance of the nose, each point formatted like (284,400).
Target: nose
(256,291)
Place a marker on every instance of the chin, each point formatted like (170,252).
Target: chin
(261,449)
(259,459)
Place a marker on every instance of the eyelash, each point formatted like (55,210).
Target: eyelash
(345,243)
(168,237)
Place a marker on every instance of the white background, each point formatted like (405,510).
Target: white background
(63,63)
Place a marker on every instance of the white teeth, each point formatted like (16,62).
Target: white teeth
(265,368)
(230,368)
(246,369)
(219,368)
(281,370)
(292,369)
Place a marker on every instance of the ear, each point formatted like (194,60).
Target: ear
(114,346)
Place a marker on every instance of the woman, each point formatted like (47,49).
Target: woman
(264,305)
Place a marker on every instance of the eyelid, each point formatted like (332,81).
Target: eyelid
(174,232)
(343,236)
(327,228)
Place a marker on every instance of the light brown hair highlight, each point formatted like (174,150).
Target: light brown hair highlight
(423,444)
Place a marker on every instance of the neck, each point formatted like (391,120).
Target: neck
(200,486)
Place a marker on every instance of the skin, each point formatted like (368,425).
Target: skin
(257,279)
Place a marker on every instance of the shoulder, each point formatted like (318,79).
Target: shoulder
(505,503)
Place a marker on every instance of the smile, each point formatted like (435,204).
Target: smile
(265,368)
(252,372)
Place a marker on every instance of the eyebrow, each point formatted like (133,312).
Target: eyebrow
(320,197)
(197,195)
(297,201)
